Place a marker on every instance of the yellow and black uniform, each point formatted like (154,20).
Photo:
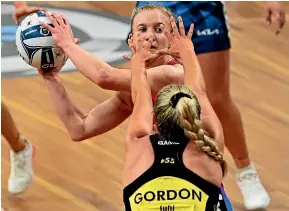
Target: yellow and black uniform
(168,185)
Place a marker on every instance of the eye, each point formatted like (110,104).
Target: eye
(159,29)
(142,29)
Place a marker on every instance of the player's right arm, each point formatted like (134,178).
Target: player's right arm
(101,73)
(98,120)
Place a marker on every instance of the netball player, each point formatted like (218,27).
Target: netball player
(21,174)
(180,166)
(212,45)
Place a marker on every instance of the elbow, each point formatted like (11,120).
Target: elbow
(77,134)
(80,133)
(77,138)
(82,137)
(102,79)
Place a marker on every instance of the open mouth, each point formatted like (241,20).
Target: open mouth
(153,47)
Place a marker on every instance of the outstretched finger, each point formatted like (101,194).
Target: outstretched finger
(45,25)
(126,57)
(130,44)
(76,40)
(52,19)
(190,33)
(139,42)
(59,18)
(15,18)
(174,26)
(65,20)
(132,48)
(181,26)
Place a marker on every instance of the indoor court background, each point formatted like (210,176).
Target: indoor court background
(87,175)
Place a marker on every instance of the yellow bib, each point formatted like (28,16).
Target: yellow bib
(168,193)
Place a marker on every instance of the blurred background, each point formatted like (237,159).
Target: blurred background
(87,175)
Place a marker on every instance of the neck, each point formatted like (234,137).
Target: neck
(161,60)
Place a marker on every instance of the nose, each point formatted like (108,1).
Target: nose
(153,37)
(150,34)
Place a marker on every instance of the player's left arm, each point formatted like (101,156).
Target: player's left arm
(141,122)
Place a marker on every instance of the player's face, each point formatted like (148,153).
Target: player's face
(148,23)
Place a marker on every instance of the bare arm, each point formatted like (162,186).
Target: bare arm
(108,77)
(100,119)
(95,69)
(193,76)
(141,120)
(195,81)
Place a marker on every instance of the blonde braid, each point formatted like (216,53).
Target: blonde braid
(193,130)
(183,112)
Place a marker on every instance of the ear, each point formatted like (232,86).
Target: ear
(154,118)
(155,129)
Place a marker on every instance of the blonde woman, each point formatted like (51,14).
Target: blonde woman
(172,163)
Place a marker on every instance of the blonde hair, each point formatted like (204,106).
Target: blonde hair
(184,117)
(149,7)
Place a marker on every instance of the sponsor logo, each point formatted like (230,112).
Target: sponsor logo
(30,32)
(207,32)
(44,31)
(167,143)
